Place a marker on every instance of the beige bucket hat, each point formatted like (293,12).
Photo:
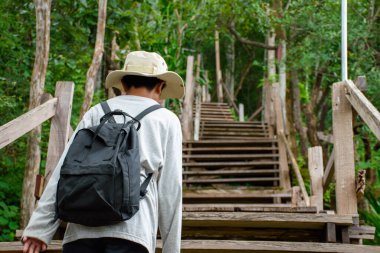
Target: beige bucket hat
(141,63)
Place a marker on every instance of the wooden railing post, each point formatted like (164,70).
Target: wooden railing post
(315,160)
(241,112)
(187,115)
(284,168)
(268,108)
(343,152)
(60,126)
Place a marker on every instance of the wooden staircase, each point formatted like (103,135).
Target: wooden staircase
(232,197)
(233,202)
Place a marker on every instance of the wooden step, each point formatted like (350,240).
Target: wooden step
(230,180)
(231,133)
(233,207)
(230,246)
(215,112)
(230,164)
(263,220)
(216,119)
(237,138)
(230,129)
(230,149)
(230,172)
(232,196)
(230,156)
(238,123)
(231,142)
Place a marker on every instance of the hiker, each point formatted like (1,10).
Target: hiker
(146,81)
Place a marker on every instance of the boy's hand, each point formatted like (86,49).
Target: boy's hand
(33,245)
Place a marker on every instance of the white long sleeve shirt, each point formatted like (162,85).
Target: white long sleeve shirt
(160,140)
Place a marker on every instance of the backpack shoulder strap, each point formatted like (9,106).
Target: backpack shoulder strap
(106,108)
(147,111)
(144,185)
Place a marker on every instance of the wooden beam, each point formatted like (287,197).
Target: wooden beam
(284,169)
(315,162)
(16,128)
(330,232)
(255,113)
(241,112)
(365,109)
(60,126)
(328,174)
(343,152)
(263,220)
(230,246)
(187,114)
(296,169)
(219,89)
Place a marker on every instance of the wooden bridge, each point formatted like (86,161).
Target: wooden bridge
(243,189)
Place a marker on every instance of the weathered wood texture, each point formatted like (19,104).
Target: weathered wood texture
(198,99)
(315,165)
(37,85)
(229,246)
(268,108)
(187,114)
(60,126)
(263,220)
(284,169)
(256,113)
(92,72)
(366,110)
(328,174)
(219,88)
(343,151)
(295,168)
(241,112)
(16,128)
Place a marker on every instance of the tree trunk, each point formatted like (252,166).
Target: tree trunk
(297,112)
(97,58)
(311,120)
(36,90)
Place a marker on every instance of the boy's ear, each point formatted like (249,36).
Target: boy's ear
(159,87)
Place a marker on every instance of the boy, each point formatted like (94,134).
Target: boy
(146,81)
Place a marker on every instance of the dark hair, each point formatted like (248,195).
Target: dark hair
(149,83)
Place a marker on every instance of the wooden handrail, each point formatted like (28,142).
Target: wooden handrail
(296,169)
(16,128)
(279,120)
(366,110)
(255,113)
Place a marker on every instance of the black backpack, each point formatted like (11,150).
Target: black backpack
(100,177)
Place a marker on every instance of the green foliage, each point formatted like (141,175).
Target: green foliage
(9,219)
(372,217)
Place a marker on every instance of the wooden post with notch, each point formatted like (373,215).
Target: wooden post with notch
(60,126)
(343,152)
(315,163)
(187,115)
(284,168)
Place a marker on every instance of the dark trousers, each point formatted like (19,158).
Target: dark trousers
(103,245)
